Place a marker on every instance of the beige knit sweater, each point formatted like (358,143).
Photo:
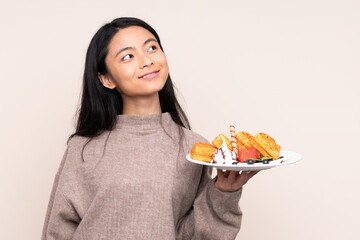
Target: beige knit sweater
(135,183)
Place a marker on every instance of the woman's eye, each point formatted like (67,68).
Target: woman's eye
(153,48)
(127,57)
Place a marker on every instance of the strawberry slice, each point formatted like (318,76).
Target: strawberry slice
(244,154)
(253,153)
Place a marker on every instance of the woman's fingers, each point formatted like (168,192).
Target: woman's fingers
(252,173)
(244,177)
(229,181)
(220,175)
(226,173)
(232,176)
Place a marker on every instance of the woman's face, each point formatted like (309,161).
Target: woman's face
(136,65)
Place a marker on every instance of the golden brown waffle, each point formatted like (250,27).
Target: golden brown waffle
(239,144)
(244,139)
(268,144)
(202,151)
(218,141)
(259,148)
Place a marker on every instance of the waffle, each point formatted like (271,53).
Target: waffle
(268,144)
(218,141)
(202,151)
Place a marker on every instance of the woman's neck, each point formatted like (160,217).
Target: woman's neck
(142,105)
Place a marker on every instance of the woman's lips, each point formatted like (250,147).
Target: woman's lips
(150,75)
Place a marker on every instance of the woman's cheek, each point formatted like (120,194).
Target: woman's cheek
(164,64)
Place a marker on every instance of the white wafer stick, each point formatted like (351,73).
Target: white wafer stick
(233,140)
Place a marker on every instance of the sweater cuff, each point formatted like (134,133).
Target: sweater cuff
(223,198)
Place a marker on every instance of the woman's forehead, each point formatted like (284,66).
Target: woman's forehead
(131,36)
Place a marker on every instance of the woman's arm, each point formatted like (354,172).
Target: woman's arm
(61,218)
(214,215)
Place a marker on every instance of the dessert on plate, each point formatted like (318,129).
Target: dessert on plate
(242,147)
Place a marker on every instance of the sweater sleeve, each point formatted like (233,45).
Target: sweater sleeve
(214,215)
(61,219)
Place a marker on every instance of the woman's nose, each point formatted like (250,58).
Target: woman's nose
(145,61)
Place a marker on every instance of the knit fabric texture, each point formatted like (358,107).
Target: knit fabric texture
(134,182)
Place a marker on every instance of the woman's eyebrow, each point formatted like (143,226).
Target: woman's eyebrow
(130,48)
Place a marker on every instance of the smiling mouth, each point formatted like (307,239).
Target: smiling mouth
(150,75)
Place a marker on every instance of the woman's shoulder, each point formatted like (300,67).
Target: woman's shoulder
(87,147)
(78,140)
(192,137)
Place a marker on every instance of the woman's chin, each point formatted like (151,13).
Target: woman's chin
(148,93)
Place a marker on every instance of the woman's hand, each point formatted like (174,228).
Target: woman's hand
(230,181)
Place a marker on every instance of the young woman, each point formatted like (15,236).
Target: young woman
(124,174)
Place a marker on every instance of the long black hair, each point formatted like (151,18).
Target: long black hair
(100,105)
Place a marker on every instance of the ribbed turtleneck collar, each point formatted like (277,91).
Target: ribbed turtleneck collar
(149,121)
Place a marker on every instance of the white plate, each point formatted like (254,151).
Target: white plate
(288,158)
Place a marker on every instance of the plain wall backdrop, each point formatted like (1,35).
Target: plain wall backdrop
(287,68)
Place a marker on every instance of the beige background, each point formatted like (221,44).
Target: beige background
(288,68)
